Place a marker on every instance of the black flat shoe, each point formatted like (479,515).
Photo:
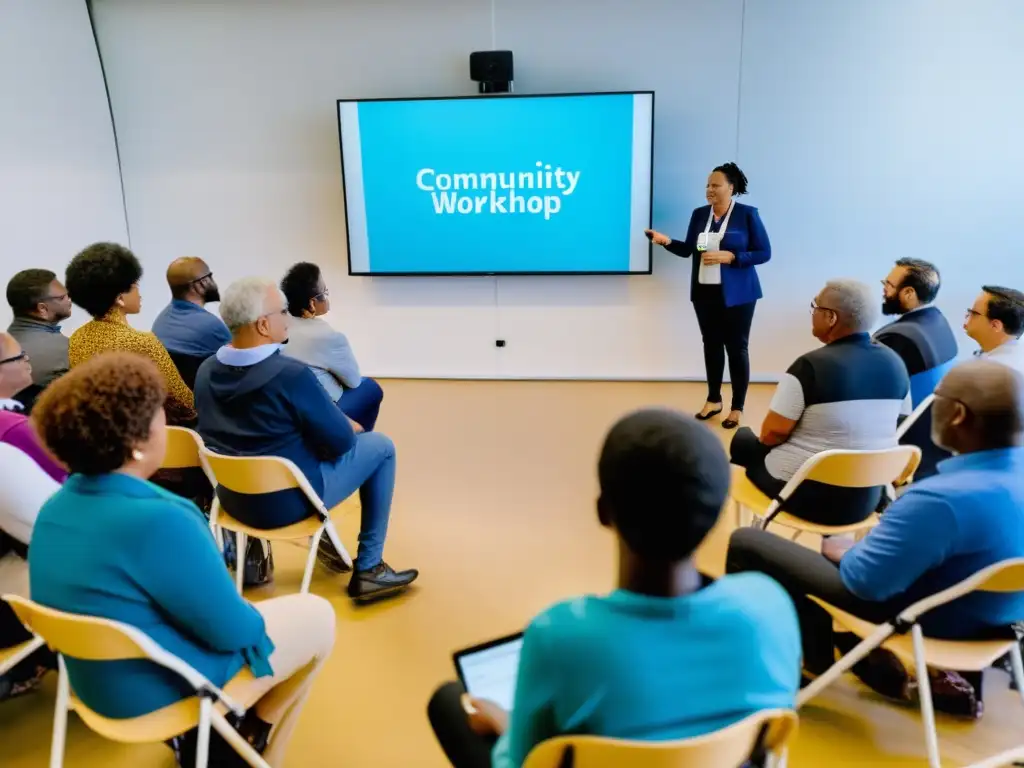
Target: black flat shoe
(380,582)
(730,423)
(705,416)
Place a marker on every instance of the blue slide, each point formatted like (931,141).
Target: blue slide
(502,184)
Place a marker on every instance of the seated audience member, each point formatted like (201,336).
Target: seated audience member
(666,655)
(188,331)
(254,401)
(40,303)
(847,394)
(111,544)
(921,336)
(24,487)
(15,428)
(314,342)
(104,281)
(996,322)
(941,531)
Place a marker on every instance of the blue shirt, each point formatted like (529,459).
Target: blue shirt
(188,329)
(637,667)
(121,548)
(941,531)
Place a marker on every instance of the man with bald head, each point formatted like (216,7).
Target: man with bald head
(190,333)
(941,531)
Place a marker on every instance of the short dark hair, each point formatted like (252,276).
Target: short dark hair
(1007,306)
(27,288)
(736,177)
(300,285)
(923,277)
(92,417)
(99,274)
(664,479)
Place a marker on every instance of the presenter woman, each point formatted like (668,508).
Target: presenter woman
(727,240)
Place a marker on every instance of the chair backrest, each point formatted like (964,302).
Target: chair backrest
(923,384)
(94,639)
(1004,576)
(255,475)
(727,748)
(183,446)
(188,366)
(860,469)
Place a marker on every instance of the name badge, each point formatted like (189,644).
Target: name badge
(702,242)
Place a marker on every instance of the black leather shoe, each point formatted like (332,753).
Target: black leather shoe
(731,423)
(380,582)
(329,558)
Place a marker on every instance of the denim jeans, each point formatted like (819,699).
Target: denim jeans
(362,404)
(370,467)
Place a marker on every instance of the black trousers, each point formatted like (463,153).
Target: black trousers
(724,330)
(802,572)
(463,746)
(812,501)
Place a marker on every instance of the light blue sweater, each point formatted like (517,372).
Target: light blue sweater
(121,548)
(636,667)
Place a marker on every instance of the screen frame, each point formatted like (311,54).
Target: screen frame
(458,655)
(619,273)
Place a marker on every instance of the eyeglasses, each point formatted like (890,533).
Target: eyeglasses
(59,297)
(23,356)
(200,279)
(274,314)
(815,307)
(321,296)
(887,284)
(971,312)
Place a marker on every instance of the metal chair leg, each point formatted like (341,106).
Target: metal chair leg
(924,689)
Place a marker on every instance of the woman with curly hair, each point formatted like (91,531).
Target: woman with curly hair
(104,281)
(111,544)
(727,241)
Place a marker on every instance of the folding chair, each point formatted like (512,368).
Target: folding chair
(268,474)
(843,468)
(12,657)
(729,747)
(919,652)
(95,639)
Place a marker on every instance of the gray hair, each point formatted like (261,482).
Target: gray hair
(854,303)
(245,301)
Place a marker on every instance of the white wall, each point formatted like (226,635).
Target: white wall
(59,183)
(869,130)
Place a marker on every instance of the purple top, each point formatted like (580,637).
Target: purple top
(16,431)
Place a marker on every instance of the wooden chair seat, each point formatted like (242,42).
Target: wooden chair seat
(958,655)
(746,494)
(165,723)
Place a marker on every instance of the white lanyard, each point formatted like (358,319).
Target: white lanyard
(725,221)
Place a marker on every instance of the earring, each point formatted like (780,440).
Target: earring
(137,455)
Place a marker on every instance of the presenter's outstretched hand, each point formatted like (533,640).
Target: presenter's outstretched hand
(657,238)
(719,257)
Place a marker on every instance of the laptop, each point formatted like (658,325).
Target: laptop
(488,671)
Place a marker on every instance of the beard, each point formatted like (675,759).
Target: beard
(892,306)
(212,295)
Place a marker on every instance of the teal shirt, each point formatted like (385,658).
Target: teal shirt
(121,548)
(635,667)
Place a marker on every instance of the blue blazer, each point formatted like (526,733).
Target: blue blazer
(746,237)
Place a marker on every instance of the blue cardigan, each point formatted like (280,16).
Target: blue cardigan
(746,237)
(121,548)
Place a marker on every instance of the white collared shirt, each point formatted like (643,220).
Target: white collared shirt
(1009,353)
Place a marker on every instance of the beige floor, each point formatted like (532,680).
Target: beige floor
(495,504)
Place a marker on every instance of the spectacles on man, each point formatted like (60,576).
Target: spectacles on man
(972,312)
(58,297)
(322,295)
(815,307)
(200,279)
(23,356)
